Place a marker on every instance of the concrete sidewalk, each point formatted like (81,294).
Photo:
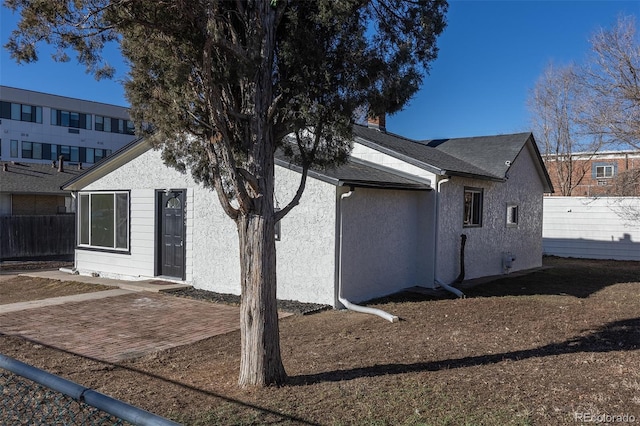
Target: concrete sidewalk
(155,285)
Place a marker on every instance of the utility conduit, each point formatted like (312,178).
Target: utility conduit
(345,302)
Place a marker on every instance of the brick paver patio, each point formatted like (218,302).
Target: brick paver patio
(123,326)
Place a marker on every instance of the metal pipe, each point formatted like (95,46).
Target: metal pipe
(447,287)
(109,405)
(344,301)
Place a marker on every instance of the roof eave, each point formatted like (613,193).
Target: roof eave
(405,158)
(540,167)
(384,185)
(109,164)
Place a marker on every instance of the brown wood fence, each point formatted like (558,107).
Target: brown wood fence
(26,237)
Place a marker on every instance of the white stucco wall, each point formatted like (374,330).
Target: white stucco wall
(485,245)
(305,254)
(306,250)
(373,156)
(384,249)
(142,176)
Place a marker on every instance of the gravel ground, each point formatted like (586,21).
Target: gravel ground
(231,299)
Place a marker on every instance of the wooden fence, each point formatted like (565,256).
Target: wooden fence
(27,237)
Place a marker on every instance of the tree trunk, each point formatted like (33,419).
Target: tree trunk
(260,363)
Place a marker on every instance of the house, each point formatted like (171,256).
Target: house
(592,174)
(34,211)
(35,189)
(40,127)
(389,219)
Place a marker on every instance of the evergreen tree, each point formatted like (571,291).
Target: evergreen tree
(224,84)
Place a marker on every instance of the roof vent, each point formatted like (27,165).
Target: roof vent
(5,167)
(60,164)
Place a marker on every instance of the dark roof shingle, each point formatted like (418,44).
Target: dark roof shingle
(34,178)
(483,157)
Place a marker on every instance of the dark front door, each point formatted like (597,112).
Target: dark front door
(171,230)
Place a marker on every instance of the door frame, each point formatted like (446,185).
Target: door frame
(158,230)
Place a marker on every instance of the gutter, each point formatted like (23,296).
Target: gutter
(347,304)
(447,287)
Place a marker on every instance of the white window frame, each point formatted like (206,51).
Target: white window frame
(120,241)
(513,215)
(473,200)
(604,169)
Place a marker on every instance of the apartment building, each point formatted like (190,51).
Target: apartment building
(38,127)
(595,174)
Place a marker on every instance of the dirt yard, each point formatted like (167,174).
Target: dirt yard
(558,346)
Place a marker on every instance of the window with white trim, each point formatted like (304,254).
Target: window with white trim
(472,207)
(604,172)
(104,220)
(512,215)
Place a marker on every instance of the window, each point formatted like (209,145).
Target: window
(601,170)
(114,125)
(27,149)
(604,172)
(65,151)
(14,148)
(76,120)
(512,215)
(21,112)
(472,207)
(104,220)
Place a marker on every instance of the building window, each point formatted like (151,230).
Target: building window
(114,125)
(36,150)
(14,148)
(27,149)
(512,215)
(76,120)
(104,220)
(21,112)
(472,207)
(603,171)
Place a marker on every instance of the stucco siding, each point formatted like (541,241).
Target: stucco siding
(141,176)
(383,236)
(486,245)
(306,250)
(368,154)
(305,253)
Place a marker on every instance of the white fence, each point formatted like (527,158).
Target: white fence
(593,228)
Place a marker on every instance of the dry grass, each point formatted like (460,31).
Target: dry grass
(538,349)
(15,289)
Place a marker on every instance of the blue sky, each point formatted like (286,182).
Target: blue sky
(491,55)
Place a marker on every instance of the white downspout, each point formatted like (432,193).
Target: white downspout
(345,302)
(447,287)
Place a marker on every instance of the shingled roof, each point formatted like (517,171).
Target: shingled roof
(360,173)
(354,173)
(483,157)
(34,178)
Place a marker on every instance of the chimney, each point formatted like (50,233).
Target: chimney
(377,122)
(60,164)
